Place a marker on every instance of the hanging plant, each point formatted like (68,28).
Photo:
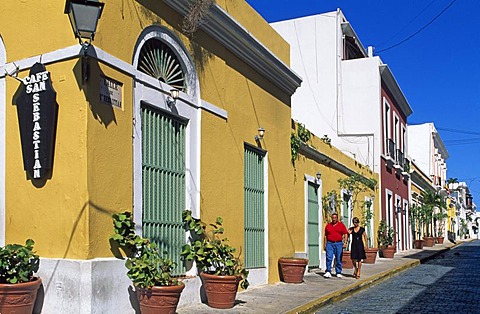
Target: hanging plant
(356,184)
(330,204)
(198,10)
(303,135)
(326,140)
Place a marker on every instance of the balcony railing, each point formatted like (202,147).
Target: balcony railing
(391,148)
(399,158)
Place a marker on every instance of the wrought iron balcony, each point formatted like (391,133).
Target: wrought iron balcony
(399,160)
(391,148)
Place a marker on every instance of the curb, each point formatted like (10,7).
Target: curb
(356,287)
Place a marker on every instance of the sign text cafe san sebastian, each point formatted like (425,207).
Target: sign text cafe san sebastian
(37,114)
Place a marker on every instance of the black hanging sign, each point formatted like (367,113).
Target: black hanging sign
(37,115)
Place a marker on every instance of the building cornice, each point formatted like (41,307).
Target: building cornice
(233,36)
(310,152)
(394,88)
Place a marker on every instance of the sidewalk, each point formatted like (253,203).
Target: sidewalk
(317,291)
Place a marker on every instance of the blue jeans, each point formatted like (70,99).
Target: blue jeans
(334,249)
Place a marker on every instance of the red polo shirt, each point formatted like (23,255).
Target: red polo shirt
(334,233)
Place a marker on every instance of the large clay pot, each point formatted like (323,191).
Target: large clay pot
(418,244)
(221,290)
(371,254)
(347,262)
(429,241)
(19,298)
(439,240)
(387,251)
(292,269)
(159,299)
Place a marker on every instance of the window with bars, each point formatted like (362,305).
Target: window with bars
(163,181)
(254,191)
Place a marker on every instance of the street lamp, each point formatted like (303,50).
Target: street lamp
(84,16)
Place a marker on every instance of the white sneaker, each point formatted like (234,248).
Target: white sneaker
(327,275)
(339,276)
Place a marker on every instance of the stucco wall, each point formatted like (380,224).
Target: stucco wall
(329,182)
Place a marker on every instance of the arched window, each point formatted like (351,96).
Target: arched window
(158,60)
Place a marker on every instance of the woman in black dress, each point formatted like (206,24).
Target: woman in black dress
(359,241)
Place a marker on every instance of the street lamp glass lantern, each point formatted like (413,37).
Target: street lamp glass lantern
(84,16)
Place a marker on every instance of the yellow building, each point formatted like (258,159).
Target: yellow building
(420,183)
(318,168)
(119,141)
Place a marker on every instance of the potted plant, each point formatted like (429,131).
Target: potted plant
(356,184)
(440,225)
(416,223)
(221,271)
(367,214)
(18,285)
(150,272)
(385,238)
(292,269)
(432,201)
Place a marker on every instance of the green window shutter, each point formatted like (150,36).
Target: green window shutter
(313,225)
(254,190)
(163,175)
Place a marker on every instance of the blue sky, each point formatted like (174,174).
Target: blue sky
(438,69)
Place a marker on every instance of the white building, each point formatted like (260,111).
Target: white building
(426,148)
(352,97)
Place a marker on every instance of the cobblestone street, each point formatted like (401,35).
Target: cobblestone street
(447,284)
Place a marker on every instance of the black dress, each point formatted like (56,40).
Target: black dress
(357,248)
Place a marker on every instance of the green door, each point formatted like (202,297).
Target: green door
(313,226)
(254,224)
(163,181)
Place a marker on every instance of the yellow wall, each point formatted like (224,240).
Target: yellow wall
(54,215)
(222,157)
(329,179)
(70,216)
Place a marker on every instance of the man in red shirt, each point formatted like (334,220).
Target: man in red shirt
(335,239)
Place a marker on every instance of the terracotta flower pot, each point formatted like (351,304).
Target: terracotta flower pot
(418,244)
(347,260)
(159,299)
(387,251)
(371,254)
(429,241)
(292,269)
(19,298)
(221,290)
(439,240)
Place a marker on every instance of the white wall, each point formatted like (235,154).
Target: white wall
(340,99)
(359,111)
(313,104)
(420,146)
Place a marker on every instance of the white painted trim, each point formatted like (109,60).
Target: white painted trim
(75,51)
(398,222)
(407,234)
(214,109)
(153,92)
(388,209)
(311,179)
(3,107)
(238,40)
(386,125)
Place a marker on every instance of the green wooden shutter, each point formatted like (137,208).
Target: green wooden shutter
(254,209)
(163,175)
(313,225)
